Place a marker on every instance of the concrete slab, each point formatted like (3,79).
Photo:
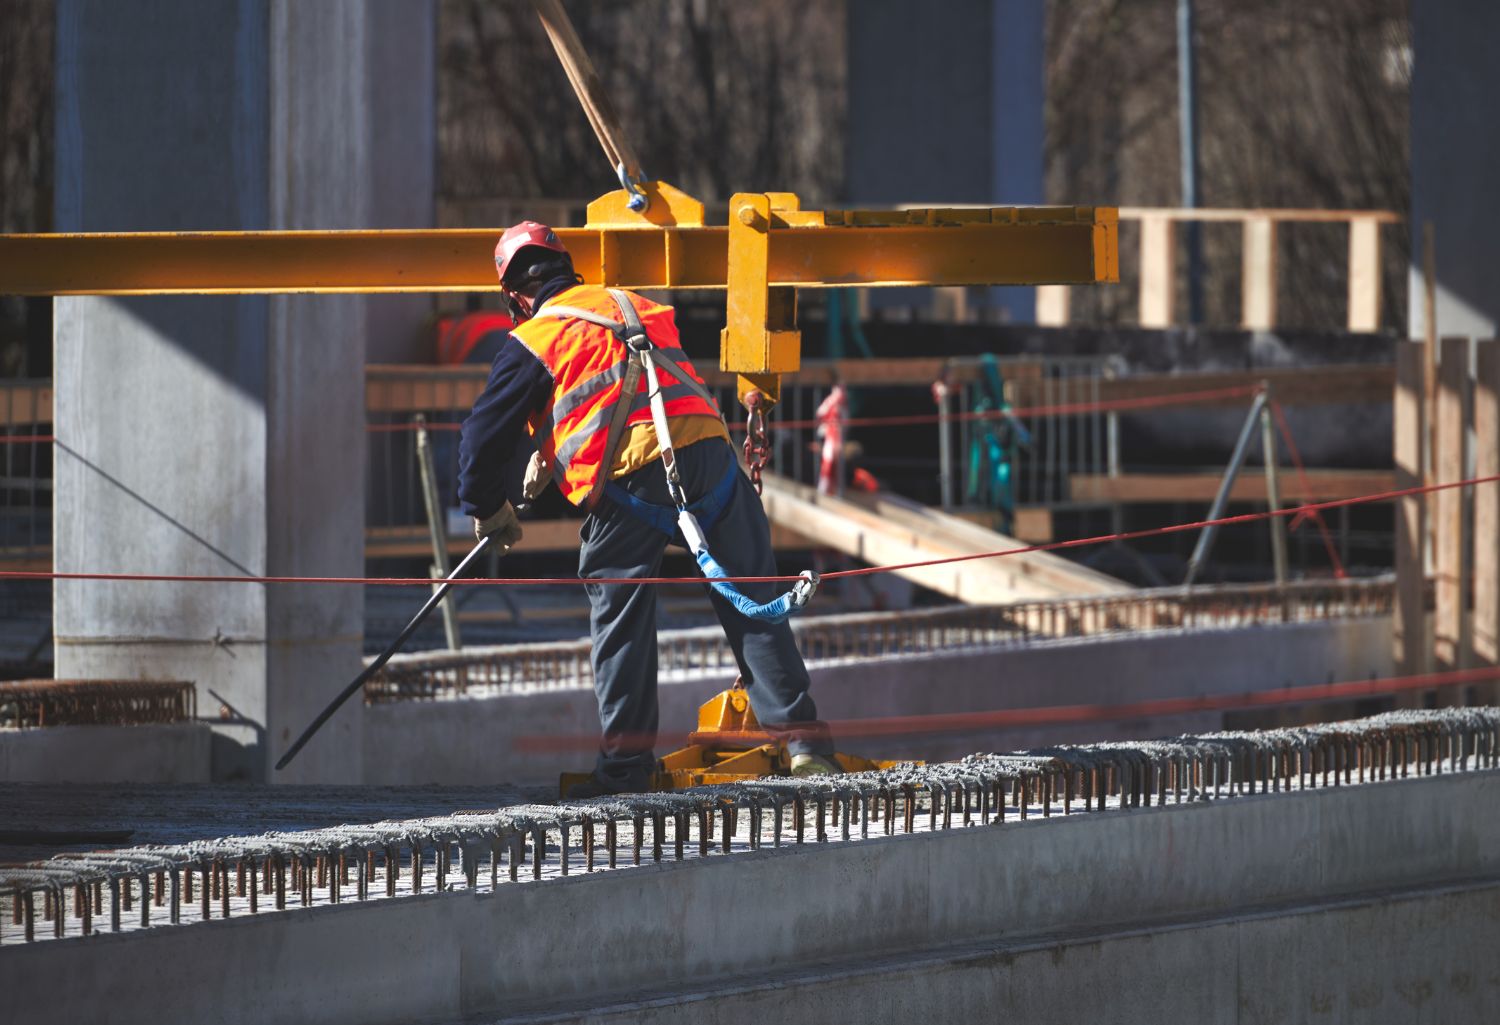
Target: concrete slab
(1044,894)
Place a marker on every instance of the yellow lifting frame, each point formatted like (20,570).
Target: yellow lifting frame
(769,248)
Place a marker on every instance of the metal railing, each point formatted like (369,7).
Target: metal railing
(25,473)
(1057,447)
(527,668)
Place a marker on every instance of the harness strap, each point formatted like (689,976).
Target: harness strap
(615,435)
(664,518)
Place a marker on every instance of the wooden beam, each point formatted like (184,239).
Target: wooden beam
(1258,277)
(885,530)
(559,535)
(400,389)
(1450,537)
(1284,214)
(25,404)
(1487,511)
(1141,488)
(1053,304)
(1412,649)
(1158,271)
(1364,274)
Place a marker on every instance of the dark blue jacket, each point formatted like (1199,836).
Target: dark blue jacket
(519,386)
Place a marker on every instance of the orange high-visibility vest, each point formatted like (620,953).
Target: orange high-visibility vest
(588,364)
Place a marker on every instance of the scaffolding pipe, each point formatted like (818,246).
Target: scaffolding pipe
(1216,511)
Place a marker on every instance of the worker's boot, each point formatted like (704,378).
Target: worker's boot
(814,765)
(591,787)
(603,786)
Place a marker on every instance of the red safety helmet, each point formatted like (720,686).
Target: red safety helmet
(519,237)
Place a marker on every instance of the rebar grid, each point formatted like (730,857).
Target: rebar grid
(148,886)
(32,703)
(565,665)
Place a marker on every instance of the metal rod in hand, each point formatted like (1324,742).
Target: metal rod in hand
(436,530)
(384,657)
(1206,539)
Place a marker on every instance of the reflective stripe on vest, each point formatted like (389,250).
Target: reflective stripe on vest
(587,363)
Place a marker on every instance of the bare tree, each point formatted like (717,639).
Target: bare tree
(25,164)
(715,97)
(1300,105)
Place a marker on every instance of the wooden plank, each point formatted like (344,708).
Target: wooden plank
(1364,274)
(1487,512)
(1033,524)
(1449,535)
(1352,384)
(556,535)
(1181,213)
(392,388)
(26,559)
(1201,487)
(1158,271)
(404,389)
(885,530)
(1258,275)
(1412,649)
(25,404)
(1053,305)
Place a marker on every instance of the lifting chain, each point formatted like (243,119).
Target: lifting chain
(757,444)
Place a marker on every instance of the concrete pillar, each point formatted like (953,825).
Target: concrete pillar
(1454,150)
(224,435)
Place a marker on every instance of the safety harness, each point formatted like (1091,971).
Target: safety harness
(692,520)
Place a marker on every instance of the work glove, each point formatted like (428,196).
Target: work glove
(538,476)
(502,526)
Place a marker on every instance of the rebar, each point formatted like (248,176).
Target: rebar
(976,791)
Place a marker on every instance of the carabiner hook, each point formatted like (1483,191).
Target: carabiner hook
(638,201)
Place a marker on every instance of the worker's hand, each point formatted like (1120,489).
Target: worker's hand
(538,476)
(502,526)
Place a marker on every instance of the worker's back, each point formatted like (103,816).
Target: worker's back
(588,364)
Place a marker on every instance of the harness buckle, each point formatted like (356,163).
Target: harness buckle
(805,587)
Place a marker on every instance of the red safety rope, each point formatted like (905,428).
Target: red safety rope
(1052,546)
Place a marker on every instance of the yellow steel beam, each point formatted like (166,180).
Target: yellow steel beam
(1025,246)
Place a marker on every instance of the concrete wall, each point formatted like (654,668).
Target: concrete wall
(471,741)
(1280,907)
(1454,150)
(1344,962)
(212,435)
(163,753)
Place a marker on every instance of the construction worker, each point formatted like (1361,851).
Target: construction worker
(559,378)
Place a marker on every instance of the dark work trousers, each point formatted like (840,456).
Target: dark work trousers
(623,616)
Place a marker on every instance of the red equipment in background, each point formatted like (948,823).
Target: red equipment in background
(473,337)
